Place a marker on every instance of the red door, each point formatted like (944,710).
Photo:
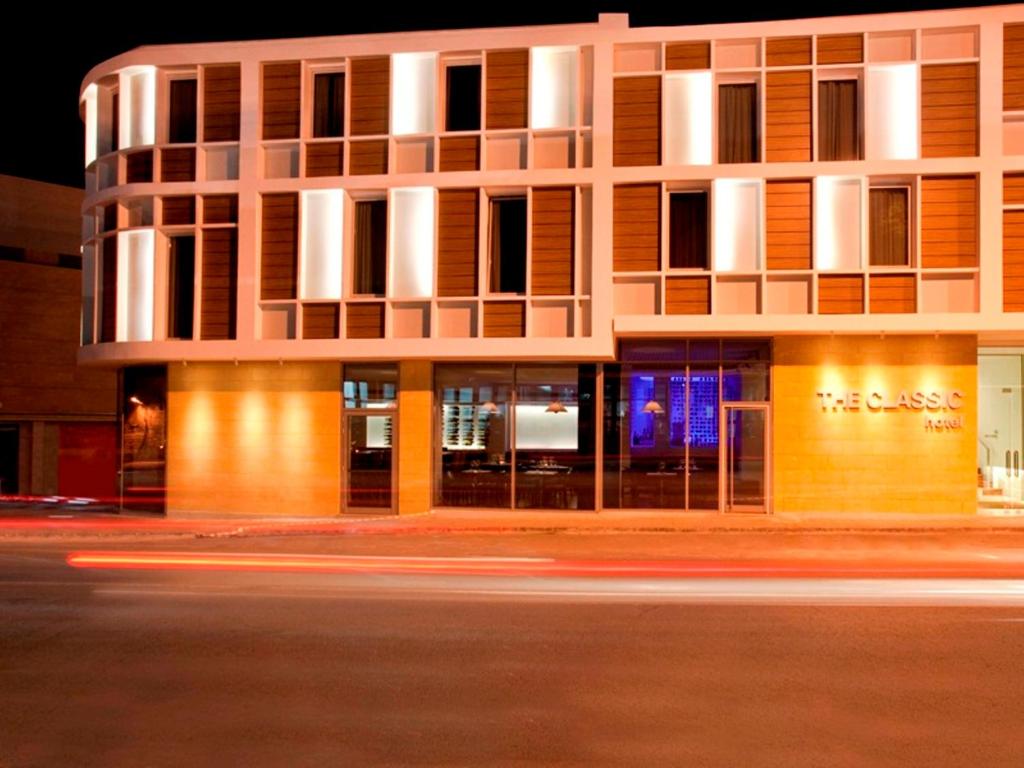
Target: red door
(87,464)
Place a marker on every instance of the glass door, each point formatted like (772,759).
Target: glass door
(368,479)
(1000,433)
(745,450)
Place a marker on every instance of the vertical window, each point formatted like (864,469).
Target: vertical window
(737,123)
(508,245)
(688,230)
(115,121)
(889,231)
(838,120)
(371,247)
(329,104)
(181,127)
(181,286)
(462,98)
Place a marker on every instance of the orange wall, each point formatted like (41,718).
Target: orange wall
(415,424)
(872,461)
(254,439)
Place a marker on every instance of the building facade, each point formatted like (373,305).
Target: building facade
(58,431)
(751,267)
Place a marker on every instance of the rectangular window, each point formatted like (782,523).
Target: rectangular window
(181,286)
(737,123)
(181,127)
(329,104)
(508,245)
(462,98)
(688,230)
(838,120)
(890,208)
(371,247)
(115,121)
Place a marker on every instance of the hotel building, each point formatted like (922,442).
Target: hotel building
(758,267)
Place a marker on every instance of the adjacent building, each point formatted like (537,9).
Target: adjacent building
(58,429)
(751,267)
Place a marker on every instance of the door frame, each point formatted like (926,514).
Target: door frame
(725,473)
(346,414)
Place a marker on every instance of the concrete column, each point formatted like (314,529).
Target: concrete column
(415,427)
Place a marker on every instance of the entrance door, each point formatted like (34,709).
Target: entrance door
(368,477)
(745,450)
(1000,434)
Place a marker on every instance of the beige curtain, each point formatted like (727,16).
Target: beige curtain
(737,123)
(889,207)
(838,120)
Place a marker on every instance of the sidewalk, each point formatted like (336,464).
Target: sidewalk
(32,521)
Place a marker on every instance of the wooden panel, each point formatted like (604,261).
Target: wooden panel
(220,284)
(552,229)
(693,55)
(320,321)
(788,117)
(281,89)
(840,294)
(504,319)
(458,214)
(369,93)
(1013,189)
(220,209)
(108,290)
(139,167)
(949,221)
(460,153)
(508,75)
(279,247)
(1013,66)
(949,110)
(325,158)
(841,49)
(787,51)
(364,321)
(179,211)
(687,295)
(636,228)
(221,102)
(1013,261)
(368,157)
(178,164)
(893,294)
(637,124)
(788,224)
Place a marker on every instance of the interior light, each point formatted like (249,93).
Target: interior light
(555,406)
(135,400)
(653,406)
(489,407)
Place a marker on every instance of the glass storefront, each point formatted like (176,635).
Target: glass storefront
(1001,429)
(143,438)
(663,417)
(516,435)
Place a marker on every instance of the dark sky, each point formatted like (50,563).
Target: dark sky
(47,53)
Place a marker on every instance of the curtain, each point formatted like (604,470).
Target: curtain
(688,230)
(737,123)
(838,120)
(370,247)
(889,226)
(329,105)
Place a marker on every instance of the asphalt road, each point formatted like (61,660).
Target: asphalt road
(225,668)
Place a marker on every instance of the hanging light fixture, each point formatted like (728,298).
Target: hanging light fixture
(555,406)
(489,407)
(653,406)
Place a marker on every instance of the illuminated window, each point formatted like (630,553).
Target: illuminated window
(889,241)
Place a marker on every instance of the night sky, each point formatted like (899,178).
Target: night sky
(44,63)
